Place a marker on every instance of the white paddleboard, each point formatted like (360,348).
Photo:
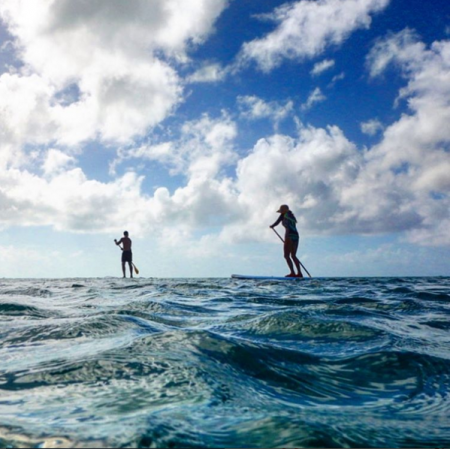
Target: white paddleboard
(269,278)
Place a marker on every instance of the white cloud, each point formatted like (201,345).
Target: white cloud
(137,28)
(400,184)
(406,174)
(70,201)
(420,137)
(116,55)
(24,115)
(209,73)
(322,66)
(203,148)
(403,48)
(371,127)
(253,108)
(307,173)
(331,185)
(337,78)
(434,234)
(56,161)
(305,28)
(316,96)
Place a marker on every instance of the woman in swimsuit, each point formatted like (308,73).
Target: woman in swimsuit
(288,220)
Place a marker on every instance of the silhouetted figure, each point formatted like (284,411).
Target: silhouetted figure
(127,255)
(288,220)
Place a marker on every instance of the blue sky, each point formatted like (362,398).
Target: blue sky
(189,123)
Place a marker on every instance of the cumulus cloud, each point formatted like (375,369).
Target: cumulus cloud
(435,234)
(68,201)
(400,184)
(253,108)
(23,112)
(56,161)
(91,70)
(371,127)
(306,28)
(208,73)
(322,66)
(406,174)
(307,173)
(403,49)
(421,136)
(202,149)
(116,57)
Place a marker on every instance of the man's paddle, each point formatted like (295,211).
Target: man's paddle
(134,266)
(281,238)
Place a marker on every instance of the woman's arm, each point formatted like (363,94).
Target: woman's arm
(278,221)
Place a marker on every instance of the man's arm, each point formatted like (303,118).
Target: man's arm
(118,242)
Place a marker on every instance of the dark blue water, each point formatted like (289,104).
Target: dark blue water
(224,363)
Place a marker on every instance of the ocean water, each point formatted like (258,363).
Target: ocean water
(348,362)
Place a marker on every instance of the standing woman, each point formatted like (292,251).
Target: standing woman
(288,220)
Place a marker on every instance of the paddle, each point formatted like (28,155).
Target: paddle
(281,238)
(134,266)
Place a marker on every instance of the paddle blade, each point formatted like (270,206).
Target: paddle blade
(135,269)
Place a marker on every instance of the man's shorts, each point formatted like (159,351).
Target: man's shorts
(127,256)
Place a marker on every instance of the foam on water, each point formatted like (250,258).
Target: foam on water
(225,363)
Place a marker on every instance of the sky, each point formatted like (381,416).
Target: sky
(189,123)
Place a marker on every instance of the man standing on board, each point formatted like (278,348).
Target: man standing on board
(127,255)
(291,238)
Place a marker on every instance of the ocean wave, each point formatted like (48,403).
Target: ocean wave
(224,363)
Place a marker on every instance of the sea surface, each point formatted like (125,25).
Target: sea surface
(331,362)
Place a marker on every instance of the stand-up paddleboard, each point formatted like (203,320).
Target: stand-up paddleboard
(266,278)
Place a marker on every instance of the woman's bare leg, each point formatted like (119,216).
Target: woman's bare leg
(288,248)
(295,259)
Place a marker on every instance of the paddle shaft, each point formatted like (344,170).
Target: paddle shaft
(281,238)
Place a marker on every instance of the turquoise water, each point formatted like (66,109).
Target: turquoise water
(348,362)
